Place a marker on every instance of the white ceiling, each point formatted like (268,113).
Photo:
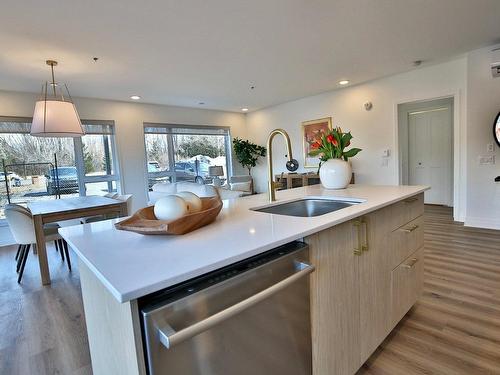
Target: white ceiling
(183,52)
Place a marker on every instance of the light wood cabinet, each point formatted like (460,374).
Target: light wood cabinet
(335,300)
(406,285)
(368,275)
(374,281)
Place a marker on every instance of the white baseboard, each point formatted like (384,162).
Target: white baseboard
(480,222)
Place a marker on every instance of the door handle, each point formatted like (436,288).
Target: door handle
(365,246)
(170,337)
(411,200)
(358,250)
(411,263)
(411,229)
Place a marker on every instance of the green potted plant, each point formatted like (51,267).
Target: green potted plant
(248,153)
(334,171)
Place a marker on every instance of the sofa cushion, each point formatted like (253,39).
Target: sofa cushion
(172,188)
(199,190)
(242,186)
(164,187)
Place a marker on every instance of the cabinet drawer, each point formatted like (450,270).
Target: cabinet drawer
(405,240)
(407,210)
(406,284)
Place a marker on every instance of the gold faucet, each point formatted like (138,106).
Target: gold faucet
(272,186)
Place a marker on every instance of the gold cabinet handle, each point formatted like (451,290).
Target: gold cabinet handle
(410,264)
(411,200)
(358,250)
(410,229)
(365,246)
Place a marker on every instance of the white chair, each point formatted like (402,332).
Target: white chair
(123,198)
(22,228)
(84,220)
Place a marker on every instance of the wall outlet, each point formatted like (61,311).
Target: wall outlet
(490,147)
(487,160)
(385,162)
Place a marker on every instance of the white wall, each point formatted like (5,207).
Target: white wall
(373,131)
(129,119)
(483,104)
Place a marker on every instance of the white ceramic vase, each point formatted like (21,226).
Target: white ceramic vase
(335,174)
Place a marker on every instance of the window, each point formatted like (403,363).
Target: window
(185,153)
(96,161)
(85,166)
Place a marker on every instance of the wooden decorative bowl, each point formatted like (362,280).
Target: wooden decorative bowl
(144,221)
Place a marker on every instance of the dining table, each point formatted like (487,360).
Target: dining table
(55,210)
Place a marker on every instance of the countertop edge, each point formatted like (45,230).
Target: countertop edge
(140,292)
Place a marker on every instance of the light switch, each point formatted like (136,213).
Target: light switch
(386,153)
(490,147)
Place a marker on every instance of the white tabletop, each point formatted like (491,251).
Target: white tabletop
(69,204)
(132,265)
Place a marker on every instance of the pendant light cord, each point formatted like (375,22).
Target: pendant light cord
(53,79)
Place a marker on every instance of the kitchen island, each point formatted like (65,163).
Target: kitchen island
(368,260)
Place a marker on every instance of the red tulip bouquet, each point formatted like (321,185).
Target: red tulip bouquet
(332,145)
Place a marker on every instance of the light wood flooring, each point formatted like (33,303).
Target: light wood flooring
(42,329)
(454,329)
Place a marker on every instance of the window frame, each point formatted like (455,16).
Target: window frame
(171,155)
(83,179)
(78,151)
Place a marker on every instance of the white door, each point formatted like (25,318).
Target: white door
(430,153)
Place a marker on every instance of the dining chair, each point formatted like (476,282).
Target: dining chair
(82,220)
(123,198)
(22,228)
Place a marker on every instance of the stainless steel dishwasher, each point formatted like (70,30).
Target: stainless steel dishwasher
(252,317)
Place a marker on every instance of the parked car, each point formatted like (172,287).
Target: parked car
(12,178)
(186,171)
(68,180)
(154,174)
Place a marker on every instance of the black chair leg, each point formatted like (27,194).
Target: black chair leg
(20,258)
(18,251)
(59,242)
(25,256)
(56,245)
(66,252)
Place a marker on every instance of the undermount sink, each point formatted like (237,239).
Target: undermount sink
(308,207)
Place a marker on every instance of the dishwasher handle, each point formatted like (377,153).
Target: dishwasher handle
(169,337)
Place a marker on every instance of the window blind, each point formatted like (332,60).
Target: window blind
(22,125)
(185,129)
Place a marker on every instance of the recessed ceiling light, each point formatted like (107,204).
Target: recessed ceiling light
(343,82)
(135,97)
(244,109)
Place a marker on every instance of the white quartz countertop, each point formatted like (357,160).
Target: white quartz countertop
(132,265)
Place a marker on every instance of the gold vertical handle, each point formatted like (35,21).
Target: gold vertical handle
(358,250)
(364,247)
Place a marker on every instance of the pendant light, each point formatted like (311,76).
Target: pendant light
(55,115)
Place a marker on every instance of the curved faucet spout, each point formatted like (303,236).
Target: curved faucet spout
(271,184)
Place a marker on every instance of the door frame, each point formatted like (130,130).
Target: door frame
(404,124)
(459,153)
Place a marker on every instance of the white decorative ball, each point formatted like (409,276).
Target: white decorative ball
(192,200)
(170,207)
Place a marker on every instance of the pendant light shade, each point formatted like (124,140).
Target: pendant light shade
(55,115)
